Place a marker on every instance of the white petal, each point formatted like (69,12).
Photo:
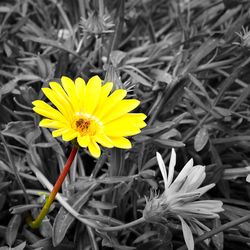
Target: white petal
(214,206)
(162,168)
(179,199)
(185,171)
(188,236)
(194,179)
(248,178)
(181,178)
(204,189)
(171,167)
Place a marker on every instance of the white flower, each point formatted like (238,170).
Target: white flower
(244,37)
(179,200)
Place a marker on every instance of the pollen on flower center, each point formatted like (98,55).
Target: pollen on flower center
(85,126)
(82,124)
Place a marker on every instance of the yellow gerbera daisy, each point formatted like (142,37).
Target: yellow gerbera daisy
(90,113)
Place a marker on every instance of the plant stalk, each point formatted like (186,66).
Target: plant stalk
(37,222)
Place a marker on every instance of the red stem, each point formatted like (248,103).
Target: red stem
(63,174)
(37,222)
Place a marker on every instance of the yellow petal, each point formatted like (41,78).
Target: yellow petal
(47,111)
(121,142)
(139,116)
(62,96)
(110,103)
(59,132)
(59,101)
(83,141)
(58,88)
(94,149)
(47,123)
(70,89)
(69,135)
(80,92)
(104,140)
(123,107)
(93,91)
(105,90)
(135,119)
(121,127)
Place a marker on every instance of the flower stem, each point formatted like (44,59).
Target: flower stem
(124,226)
(37,222)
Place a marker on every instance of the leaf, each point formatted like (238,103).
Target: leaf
(188,236)
(112,243)
(55,144)
(162,76)
(234,213)
(20,247)
(201,139)
(64,219)
(43,244)
(116,161)
(147,174)
(234,173)
(145,236)
(7,49)
(170,143)
(18,209)
(157,128)
(152,183)
(45,228)
(171,133)
(218,239)
(8,87)
(4,185)
(135,60)
(205,49)
(136,78)
(5,9)
(12,229)
(28,94)
(4,248)
(116,57)
(101,205)
(2,200)
(157,244)
(16,129)
(53,43)
(141,138)
(222,111)
(195,99)
(200,86)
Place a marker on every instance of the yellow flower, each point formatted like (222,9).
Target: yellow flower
(90,113)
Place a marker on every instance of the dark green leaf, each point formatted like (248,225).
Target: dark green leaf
(12,229)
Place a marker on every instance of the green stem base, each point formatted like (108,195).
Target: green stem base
(37,222)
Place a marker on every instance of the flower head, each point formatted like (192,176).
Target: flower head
(244,37)
(97,24)
(179,200)
(90,114)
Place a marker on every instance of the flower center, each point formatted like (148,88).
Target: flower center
(85,125)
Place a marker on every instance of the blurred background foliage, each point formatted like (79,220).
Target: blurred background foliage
(188,63)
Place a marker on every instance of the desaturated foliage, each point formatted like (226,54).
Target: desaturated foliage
(187,62)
